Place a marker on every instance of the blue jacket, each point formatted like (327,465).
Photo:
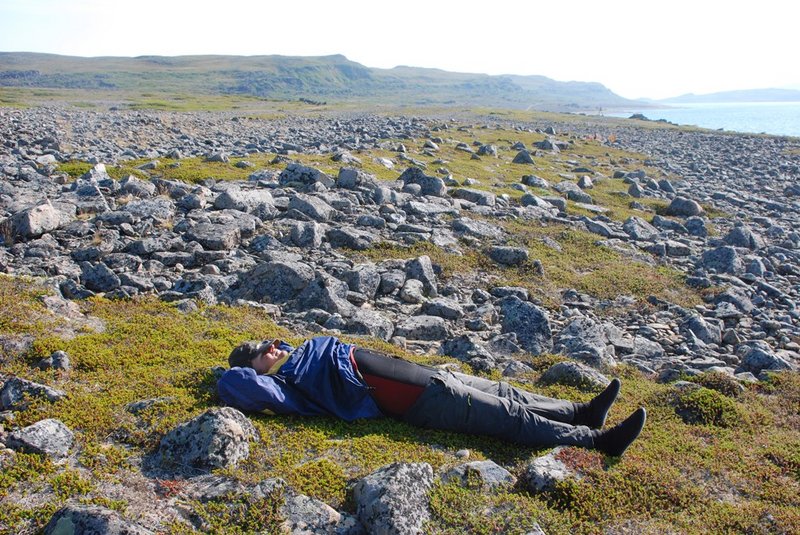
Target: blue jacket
(317,378)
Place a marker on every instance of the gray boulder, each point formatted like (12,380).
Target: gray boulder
(543,473)
(350,178)
(350,238)
(413,291)
(275,282)
(363,278)
(218,438)
(49,437)
(477,229)
(313,207)
(429,185)
(574,374)
(707,331)
(309,516)
(392,280)
(325,292)
(99,277)
(444,308)
(466,348)
(394,499)
(665,223)
(16,392)
(547,144)
(585,340)
(723,259)
(421,269)
(573,192)
(490,475)
(508,256)
(529,199)
(647,348)
(535,182)
(530,322)
(423,328)
(683,207)
(81,519)
(523,157)
(757,356)
(696,226)
(479,197)
(159,209)
(38,220)
(370,323)
(303,177)
(307,234)
(743,236)
(215,237)
(736,297)
(138,188)
(639,229)
(251,200)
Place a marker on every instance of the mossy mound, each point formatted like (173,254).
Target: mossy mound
(704,406)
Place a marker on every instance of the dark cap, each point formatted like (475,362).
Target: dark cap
(243,354)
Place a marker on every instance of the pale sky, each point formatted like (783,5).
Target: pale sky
(636,48)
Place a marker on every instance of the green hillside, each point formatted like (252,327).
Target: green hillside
(285,77)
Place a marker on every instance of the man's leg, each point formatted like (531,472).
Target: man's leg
(450,404)
(553,409)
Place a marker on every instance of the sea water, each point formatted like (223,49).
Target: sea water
(777,118)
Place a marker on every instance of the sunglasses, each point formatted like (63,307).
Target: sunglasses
(266,345)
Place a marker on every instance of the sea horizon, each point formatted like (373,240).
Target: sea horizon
(774,118)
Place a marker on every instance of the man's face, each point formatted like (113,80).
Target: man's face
(267,357)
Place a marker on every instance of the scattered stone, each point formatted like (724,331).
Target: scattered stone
(218,438)
(394,499)
(574,374)
(487,474)
(523,157)
(543,473)
(530,322)
(91,520)
(58,360)
(16,393)
(49,437)
(509,256)
(683,207)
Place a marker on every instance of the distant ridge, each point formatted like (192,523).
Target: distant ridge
(742,95)
(314,77)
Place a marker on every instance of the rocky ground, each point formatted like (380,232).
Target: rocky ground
(377,226)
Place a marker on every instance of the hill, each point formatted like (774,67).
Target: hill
(280,77)
(742,95)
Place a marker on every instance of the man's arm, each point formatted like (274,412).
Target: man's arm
(244,389)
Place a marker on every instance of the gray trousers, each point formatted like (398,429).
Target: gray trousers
(467,404)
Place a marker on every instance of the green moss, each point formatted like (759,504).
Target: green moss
(321,478)
(457,510)
(24,467)
(449,263)
(591,268)
(720,382)
(70,483)
(21,309)
(75,168)
(236,514)
(707,407)
(104,458)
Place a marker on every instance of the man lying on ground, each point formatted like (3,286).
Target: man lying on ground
(327,376)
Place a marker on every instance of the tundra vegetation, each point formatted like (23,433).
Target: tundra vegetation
(717,459)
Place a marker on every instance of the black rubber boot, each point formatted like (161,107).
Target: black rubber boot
(616,440)
(593,414)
